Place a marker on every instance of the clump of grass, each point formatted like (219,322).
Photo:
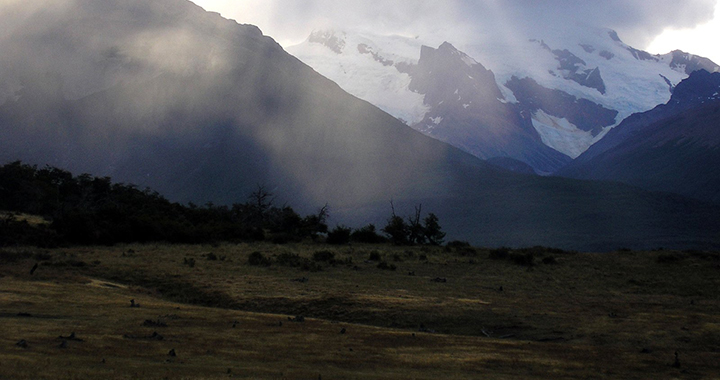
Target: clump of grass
(11,256)
(189,262)
(374,256)
(294,260)
(258,259)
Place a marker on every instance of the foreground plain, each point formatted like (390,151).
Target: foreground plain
(310,311)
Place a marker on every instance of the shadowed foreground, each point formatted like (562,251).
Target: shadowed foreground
(442,313)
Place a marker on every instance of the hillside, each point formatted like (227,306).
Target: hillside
(672,148)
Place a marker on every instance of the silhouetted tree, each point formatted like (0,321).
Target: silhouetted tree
(432,230)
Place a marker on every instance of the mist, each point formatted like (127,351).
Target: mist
(461,21)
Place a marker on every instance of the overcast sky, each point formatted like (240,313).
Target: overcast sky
(658,25)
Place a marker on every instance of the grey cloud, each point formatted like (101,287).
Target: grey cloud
(637,21)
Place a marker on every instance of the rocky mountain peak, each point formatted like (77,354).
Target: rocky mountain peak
(332,40)
(700,87)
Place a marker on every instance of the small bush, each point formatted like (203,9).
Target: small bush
(397,258)
(211,257)
(374,256)
(324,256)
(524,259)
(339,235)
(384,266)
(367,234)
(500,253)
(258,259)
(550,260)
(189,262)
(289,259)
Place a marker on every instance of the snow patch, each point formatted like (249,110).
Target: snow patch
(561,135)
(437,120)
(363,76)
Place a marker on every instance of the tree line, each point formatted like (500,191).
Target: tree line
(90,210)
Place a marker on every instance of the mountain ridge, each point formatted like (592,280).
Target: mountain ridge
(589,64)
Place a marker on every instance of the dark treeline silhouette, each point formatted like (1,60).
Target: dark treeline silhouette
(85,209)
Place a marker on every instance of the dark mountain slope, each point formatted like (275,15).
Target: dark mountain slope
(674,147)
(468,111)
(202,109)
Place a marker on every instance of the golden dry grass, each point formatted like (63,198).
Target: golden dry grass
(33,220)
(618,315)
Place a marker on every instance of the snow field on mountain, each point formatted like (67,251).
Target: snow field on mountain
(632,85)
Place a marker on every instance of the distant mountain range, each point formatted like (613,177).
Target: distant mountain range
(674,147)
(561,88)
(163,94)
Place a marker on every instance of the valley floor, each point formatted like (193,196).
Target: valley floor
(328,312)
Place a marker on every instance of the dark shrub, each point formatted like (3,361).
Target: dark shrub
(211,256)
(339,235)
(189,262)
(550,260)
(367,234)
(290,259)
(500,253)
(374,256)
(524,259)
(258,259)
(324,256)
(384,266)
(283,238)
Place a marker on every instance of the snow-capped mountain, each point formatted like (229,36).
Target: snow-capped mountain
(570,85)
(673,147)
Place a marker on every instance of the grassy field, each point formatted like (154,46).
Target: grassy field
(309,311)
